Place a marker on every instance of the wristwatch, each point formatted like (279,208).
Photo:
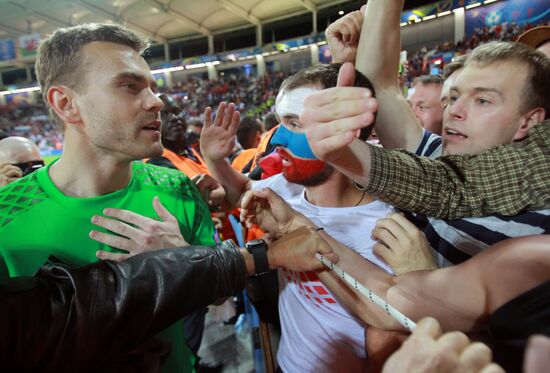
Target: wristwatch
(258,249)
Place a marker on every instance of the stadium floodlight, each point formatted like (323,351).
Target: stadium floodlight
(265,54)
(427,18)
(472,5)
(458,9)
(442,14)
(403,24)
(19,90)
(167,70)
(195,66)
(489,1)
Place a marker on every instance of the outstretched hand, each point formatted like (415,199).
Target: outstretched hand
(333,117)
(218,136)
(268,210)
(136,233)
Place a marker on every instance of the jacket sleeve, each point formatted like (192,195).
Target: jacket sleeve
(506,179)
(65,319)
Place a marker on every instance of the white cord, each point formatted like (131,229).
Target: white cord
(395,314)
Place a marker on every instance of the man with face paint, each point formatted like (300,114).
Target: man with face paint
(318,334)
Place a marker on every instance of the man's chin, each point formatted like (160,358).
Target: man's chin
(154,151)
(308,180)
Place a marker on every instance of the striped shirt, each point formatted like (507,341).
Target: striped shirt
(455,241)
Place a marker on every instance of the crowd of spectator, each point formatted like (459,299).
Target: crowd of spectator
(419,63)
(32,122)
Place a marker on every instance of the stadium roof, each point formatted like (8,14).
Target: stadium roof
(160,20)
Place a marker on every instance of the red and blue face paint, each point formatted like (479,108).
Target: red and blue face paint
(300,165)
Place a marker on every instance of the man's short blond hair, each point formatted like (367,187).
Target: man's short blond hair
(535,90)
(60,60)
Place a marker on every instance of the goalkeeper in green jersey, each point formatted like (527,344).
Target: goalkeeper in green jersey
(100,89)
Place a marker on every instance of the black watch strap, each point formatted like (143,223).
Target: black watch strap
(258,249)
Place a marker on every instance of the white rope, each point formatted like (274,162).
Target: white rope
(395,314)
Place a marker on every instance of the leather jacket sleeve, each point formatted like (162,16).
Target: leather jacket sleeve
(64,319)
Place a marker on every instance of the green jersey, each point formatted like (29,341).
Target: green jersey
(37,220)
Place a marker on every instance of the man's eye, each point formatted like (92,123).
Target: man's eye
(130,86)
(483,101)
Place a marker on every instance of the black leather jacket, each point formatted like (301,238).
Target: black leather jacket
(102,317)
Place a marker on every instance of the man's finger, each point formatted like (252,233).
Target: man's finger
(335,94)
(454,341)
(326,251)
(106,255)
(235,122)
(429,327)
(336,110)
(393,228)
(111,240)
(357,19)
(404,222)
(475,357)
(220,114)
(386,237)
(13,172)
(116,226)
(207,122)
(128,216)
(346,75)
(324,147)
(162,211)
(333,257)
(383,252)
(495,368)
(228,117)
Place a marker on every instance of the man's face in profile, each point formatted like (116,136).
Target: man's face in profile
(117,102)
(425,103)
(484,108)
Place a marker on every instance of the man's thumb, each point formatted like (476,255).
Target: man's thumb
(346,75)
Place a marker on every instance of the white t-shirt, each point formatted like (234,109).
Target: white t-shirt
(318,334)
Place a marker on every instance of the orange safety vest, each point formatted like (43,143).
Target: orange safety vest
(243,158)
(188,166)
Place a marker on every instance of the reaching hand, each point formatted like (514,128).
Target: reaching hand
(402,245)
(332,117)
(139,233)
(343,36)
(428,351)
(266,209)
(9,173)
(218,137)
(212,192)
(296,251)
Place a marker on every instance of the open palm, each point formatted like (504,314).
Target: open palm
(218,136)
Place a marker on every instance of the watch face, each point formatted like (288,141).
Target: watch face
(255,242)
